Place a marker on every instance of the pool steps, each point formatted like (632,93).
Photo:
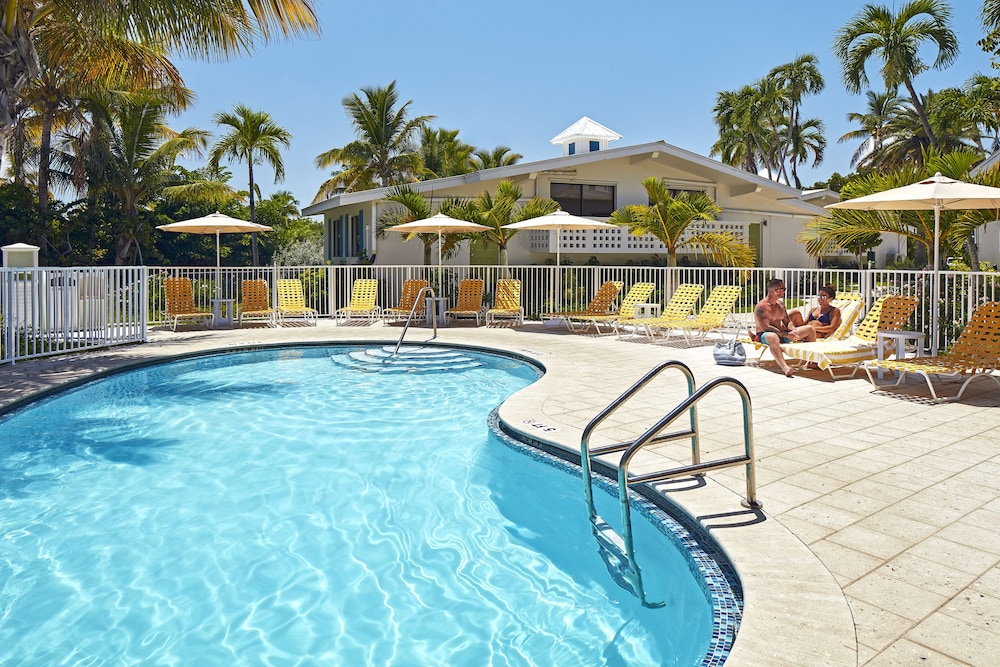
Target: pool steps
(408,360)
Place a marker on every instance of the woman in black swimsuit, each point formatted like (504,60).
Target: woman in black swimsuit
(824,319)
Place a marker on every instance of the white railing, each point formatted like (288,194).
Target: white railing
(52,311)
(49,311)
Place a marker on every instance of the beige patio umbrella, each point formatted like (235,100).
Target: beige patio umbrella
(441,224)
(936,193)
(559,221)
(215,223)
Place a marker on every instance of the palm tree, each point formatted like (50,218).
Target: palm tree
(129,157)
(501,156)
(416,207)
(443,153)
(97,40)
(799,78)
(876,32)
(674,221)
(254,139)
(383,153)
(882,108)
(740,133)
(504,208)
(989,13)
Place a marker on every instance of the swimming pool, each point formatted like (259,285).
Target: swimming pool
(289,507)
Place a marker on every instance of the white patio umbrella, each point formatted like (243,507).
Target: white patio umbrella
(214,223)
(936,193)
(438,223)
(559,221)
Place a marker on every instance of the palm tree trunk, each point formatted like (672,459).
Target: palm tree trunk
(427,252)
(921,113)
(253,218)
(44,157)
(973,248)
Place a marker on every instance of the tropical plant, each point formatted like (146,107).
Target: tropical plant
(674,220)
(503,208)
(501,156)
(254,138)
(414,206)
(443,153)
(894,39)
(383,154)
(129,157)
(97,41)
(989,14)
(881,109)
(760,125)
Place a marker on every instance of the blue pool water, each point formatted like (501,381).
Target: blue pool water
(278,507)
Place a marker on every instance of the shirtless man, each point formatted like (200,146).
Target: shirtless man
(774,327)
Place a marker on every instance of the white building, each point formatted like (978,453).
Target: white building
(591,180)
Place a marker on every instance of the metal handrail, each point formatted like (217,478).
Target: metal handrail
(410,316)
(696,466)
(585,451)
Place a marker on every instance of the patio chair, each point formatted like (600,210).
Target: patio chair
(712,316)
(255,304)
(470,300)
(679,307)
(364,293)
(292,302)
(887,313)
(180,302)
(506,303)
(601,304)
(976,353)
(408,298)
(637,294)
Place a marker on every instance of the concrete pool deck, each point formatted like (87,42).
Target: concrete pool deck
(879,539)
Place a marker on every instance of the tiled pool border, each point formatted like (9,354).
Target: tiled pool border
(709,565)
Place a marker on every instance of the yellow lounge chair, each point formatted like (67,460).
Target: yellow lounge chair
(637,294)
(506,303)
(364,294)
(292,303)
(180,302)
(470,300)
(600,305)
(712,316)
(888,312)
(679,307)
(407,299)
(976,353)
(255,303)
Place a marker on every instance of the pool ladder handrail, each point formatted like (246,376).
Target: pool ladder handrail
(623,547)
(413,308)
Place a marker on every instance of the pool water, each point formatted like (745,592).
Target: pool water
(275,507)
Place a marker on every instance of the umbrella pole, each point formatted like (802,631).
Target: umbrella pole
(440,279)
(218,263)
(558,276)
(936,287)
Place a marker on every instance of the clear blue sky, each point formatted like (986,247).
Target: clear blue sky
(517,73)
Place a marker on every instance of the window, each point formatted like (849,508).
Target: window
(595,146)
(572,148)
(597,201)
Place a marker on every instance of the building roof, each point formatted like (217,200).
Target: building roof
(711,171)
(587,128)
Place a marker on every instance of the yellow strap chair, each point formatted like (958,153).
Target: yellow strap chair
(976,353)
(712,316)
(292,302)
(180,302)
(600,305)
(407,300)
(680,307)
(364,294)
(637,294)
(470,300)
(506,303)
(255,303)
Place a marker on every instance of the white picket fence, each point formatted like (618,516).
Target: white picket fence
(48,311)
